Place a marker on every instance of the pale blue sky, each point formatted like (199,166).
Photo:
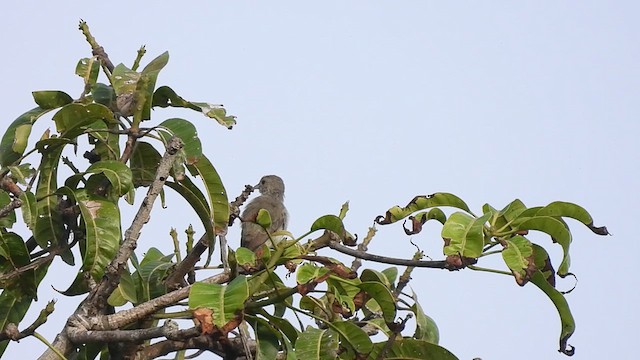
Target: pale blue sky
(378,102)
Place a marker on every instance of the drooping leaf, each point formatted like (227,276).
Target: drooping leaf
(29,209)
(426,328)
(518,256)
(165,96)
(566,318)
(411,349)
(48,225)
(421,203)
(118,174)
(353,335)
(187,132)
(15,139)
(316,344)
(215,191)
(464,235)
(225,300)
(418,220)
(267,339)
(383,297)
(570,210)
(558,231)
(101,220)
(51,99)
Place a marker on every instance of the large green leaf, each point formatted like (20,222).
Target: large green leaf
(51,99)
(103,94)
(309,272)
(353,335)
(165,96)
(187,132)
(383,297)
(215,191)
(75,118)
(566,318)
(48,226)
(125,80)
(557,229)
(118,174)
(316,344)
(101,220)
(225,300)
(15,139)
(464,234)
(411,349)
(29,209)
(126,290)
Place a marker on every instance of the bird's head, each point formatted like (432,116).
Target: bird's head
(271,185)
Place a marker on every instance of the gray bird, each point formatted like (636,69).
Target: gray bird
(271,199)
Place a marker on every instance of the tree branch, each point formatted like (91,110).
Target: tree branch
(440,264)
(170,330)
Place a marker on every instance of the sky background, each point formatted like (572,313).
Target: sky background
(376,103)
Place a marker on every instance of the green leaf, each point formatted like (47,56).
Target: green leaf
(374,275)
(88,69)
(566,318)
(15,255)
(118,174)
(165,96)
(187,132)
(391,273)
(284,326)
(426,328)
(126,290)
(15,139)
(420,203)
(464,235)
(147,83)
(8,220)
(101,220)
(383,297)
(48,225)
(517,256)
(570,210)
(75,118)
(29,209)
(125,80)
(22,172)
(225,301)
(51,99)
(316,344)
(558,231)
(266,338)
(103,94)
(263,218)
(412,349)
(353,335)
(331,223)
(151,273)
(309,272)
(12,310)
(215,191)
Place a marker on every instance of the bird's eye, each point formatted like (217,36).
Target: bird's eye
(262,182)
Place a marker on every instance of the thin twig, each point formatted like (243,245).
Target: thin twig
(440,264)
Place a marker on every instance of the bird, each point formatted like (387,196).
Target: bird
(271,198)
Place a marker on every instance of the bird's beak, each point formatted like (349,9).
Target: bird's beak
(257,186)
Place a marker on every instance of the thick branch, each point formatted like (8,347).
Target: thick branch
(441,264)
(203,342)
(169,330)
